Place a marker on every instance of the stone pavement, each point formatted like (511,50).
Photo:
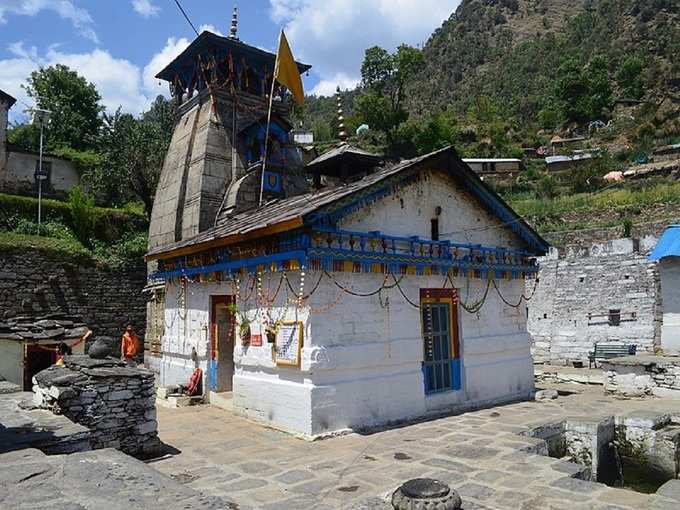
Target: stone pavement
(478,453)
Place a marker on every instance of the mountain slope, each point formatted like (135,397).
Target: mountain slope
(510,49)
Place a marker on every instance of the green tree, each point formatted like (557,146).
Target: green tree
(583,91)
(74,103)
(629,77)
(133,152)
(376,69)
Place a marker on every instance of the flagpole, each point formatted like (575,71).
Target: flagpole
(269,118)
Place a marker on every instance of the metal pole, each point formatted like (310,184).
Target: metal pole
(40,157)
(269,118)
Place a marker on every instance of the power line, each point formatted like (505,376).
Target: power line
(185,16)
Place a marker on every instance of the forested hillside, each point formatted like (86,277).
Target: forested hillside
(511,72)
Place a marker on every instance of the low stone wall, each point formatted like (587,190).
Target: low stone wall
(116,402)
(641,376)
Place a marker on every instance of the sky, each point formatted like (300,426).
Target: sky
(119,45)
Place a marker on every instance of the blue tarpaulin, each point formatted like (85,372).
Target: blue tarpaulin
(668,245)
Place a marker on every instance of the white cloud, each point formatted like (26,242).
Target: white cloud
(332,35)
(80,18)
(118,81)
(145,8)
(329,86)
(172,48)
(209,28)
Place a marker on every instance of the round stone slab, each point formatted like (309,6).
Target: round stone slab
(425,488)
(425,494)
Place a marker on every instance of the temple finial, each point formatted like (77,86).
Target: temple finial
(342,134)
(234,25)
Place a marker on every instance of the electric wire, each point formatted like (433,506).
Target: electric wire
(185,16)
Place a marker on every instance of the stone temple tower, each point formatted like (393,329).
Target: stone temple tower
(214,162)
(213,167)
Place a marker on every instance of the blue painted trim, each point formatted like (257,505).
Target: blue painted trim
(399,259)
(253,262)
(455,374)
(416,239)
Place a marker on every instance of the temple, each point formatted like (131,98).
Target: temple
(358,292)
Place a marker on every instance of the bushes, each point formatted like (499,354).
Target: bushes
(110,225)
(82,214)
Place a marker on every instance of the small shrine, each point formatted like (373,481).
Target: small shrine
(356,293)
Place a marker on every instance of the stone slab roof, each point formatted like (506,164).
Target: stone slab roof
(48,328)
(292,212)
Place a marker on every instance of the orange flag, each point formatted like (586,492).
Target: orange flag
(286,71)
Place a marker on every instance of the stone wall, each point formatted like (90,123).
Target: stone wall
(34,283)
(116,402)
(579,285)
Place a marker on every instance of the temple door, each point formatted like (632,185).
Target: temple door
(221,343)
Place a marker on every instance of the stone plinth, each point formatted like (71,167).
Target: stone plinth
(116,402)
(425,494)
(642,376)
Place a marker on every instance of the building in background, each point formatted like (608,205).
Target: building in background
(19,167)
(495,167)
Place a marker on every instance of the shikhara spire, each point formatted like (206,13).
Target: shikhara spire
(234,24)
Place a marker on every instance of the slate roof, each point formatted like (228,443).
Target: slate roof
(668,245)
(304,206)
(343,152)
(7,98)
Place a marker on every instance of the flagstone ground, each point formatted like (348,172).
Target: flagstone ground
(480,454)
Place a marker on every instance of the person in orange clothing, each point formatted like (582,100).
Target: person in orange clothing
(129,346)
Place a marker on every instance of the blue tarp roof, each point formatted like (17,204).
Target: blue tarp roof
(668,245)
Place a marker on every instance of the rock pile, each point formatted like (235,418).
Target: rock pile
(116,402)
(56,327)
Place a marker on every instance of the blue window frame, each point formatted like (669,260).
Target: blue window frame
(441,367)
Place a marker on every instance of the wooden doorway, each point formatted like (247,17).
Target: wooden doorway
(221,343)
(37,358)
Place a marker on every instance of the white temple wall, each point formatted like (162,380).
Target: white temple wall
(408,212)
(360,361)
(370,356)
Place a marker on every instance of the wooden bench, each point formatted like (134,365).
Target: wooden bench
(610,350)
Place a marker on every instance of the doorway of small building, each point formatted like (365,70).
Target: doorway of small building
(37,358)
(222,338)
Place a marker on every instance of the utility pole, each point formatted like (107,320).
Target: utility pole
(41,117)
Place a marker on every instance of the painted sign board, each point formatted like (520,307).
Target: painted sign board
(288,343)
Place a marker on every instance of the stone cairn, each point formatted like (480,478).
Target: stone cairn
(116,402)
(55,327)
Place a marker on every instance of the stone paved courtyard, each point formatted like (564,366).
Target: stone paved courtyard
(478,453)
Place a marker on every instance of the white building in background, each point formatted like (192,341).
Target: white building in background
(495,167)
(667,253)
(18,167)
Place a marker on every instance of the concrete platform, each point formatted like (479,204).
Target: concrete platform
(22,426)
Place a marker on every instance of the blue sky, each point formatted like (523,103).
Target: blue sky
(121,44)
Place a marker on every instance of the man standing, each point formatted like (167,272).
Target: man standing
(129,346)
